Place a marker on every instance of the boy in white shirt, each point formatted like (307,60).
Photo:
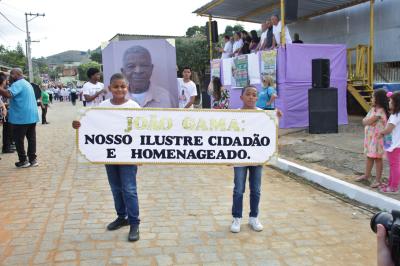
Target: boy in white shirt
(122,178)
(187,90)
(93,89)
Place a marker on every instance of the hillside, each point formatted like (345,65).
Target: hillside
(68,57)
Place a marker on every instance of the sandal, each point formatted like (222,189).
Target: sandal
(361,178)
(383,185)
(376,185)
(388,190)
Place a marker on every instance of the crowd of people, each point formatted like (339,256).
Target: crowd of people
(61,93)
(20,109)
(19,115)
(19,103)
(245,43)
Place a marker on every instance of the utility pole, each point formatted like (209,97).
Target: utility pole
(29,41)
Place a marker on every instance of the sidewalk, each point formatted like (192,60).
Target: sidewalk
(339,155)
(56,214)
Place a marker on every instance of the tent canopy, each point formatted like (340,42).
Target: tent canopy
(257,11)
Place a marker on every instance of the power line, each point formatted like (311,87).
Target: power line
(11,22)
(12,7)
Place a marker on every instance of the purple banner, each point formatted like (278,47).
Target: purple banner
(294,81)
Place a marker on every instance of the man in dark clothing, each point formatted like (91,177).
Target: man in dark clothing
(297,38)
(8,146)
(270,40)
(7,129)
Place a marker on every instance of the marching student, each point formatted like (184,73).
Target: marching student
(122,178)
(44,104)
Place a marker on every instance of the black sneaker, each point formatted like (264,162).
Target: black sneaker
(34,163)
(8,151)
(24,164)
(117,224)
(133,233)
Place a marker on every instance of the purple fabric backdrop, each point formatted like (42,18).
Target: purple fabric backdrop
(294,81)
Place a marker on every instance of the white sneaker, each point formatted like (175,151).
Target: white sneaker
(235,227)
(255,224)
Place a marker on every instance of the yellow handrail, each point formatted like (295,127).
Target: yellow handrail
(360,72)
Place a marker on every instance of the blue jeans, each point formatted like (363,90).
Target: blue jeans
(240,185)
(122,179)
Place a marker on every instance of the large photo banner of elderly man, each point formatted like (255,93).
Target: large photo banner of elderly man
(149,67)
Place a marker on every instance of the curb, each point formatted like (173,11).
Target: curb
(353,192)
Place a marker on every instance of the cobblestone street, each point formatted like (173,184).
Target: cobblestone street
(56,214)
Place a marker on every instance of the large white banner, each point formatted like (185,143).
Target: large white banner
(141,136)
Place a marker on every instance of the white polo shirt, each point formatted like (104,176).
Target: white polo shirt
(277,34)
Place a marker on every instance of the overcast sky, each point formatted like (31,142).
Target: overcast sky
(85,24)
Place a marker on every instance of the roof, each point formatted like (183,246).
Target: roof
(257,11)
(125,37)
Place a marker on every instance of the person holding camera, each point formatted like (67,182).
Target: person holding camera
(384,257)
(387,228)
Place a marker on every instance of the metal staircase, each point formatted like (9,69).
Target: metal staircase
(359,75)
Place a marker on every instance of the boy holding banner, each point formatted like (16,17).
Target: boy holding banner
(122,178)
(249,99)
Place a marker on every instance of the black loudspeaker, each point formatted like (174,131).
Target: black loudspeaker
(323,110)
(321,73)
(291,8)
(214,32)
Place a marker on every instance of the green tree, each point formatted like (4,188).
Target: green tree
(82,69)
(13,57)
(40,65)
(59,70)
(230,30)
(53,75)
(193,52)
(37,80)
(96,56)
(195,31)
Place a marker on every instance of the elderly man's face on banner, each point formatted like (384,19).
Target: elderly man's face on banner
(137,68)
